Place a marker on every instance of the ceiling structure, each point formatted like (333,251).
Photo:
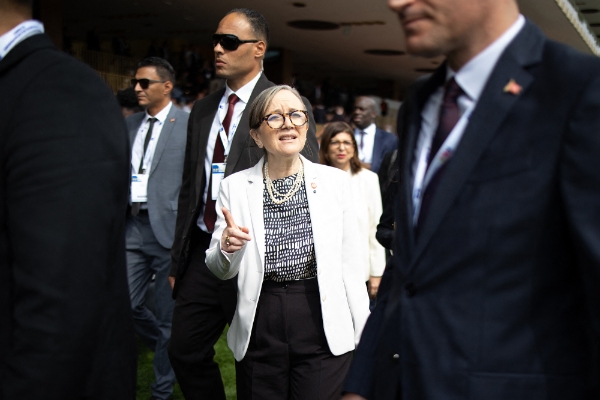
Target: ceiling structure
(361,26)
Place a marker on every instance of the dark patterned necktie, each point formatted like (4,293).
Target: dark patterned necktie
(210,214)
(449,115)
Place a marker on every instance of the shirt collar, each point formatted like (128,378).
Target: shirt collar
(161,116)
(473,76)
(245,91)
(369,130)
(19,33)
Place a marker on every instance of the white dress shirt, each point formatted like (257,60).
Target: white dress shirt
(243,94)
(472,78)
(138,144)
(19,33)
(366,153)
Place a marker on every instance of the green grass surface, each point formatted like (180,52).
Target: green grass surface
(145,375)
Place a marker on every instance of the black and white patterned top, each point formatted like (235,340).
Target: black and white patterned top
(290,249)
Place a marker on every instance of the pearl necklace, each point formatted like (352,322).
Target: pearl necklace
(295,187)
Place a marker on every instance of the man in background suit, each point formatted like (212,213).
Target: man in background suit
(218,133)
(66,330)
(494,289)
(373,143)
(157,138)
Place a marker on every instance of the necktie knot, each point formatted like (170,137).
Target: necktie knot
(232,99)
(452,91)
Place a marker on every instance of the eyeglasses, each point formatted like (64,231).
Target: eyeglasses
(144,83)
(277,120)
(229,42)
(338,143)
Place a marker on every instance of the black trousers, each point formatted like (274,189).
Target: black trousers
(204,305)
(288,357)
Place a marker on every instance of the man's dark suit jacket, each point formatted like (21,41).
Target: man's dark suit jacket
(243,154)
(66,330)
(384,143)
(498,297)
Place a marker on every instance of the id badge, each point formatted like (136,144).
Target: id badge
(139,188)
(218,173)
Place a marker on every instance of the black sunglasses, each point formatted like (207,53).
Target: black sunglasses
(144,83)
(229,42)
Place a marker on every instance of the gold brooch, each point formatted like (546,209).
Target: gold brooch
(513,88)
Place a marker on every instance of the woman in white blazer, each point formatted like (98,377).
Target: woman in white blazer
(339,149)
(287,229)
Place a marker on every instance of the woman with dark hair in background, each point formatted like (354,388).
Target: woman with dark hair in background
(339,149)
(287,229)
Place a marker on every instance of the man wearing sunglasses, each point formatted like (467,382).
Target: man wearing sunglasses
(218,145)
(157,138)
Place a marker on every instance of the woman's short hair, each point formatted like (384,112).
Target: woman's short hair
(259,106)
(329,133)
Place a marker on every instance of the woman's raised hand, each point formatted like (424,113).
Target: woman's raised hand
(234,237)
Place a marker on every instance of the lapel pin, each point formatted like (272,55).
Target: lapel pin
(513,88)
(313,185)
(172,119)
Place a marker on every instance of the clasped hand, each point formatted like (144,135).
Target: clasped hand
(234,237)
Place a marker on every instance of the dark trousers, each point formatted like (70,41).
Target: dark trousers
(288,356)
(204,305)
(147,257)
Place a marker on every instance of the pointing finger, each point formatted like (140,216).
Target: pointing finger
(228,218)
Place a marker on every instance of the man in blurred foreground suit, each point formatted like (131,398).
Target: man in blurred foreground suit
(494,291)
(218,133)
(66,330)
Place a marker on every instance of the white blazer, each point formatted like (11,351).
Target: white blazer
(367,200)
(344,299)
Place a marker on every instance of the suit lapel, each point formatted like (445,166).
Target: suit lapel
(492,109)
(409,129)
(165,133)
(242,133)
(205,124)
(254,193)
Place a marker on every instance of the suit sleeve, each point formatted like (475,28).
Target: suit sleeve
(311,149)
(183,205)
(223,267)
(580,188)
(361,374)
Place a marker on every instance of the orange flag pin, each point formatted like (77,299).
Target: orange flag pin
(513,88)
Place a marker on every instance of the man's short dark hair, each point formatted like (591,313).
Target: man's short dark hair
(257,21)
(163,69)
